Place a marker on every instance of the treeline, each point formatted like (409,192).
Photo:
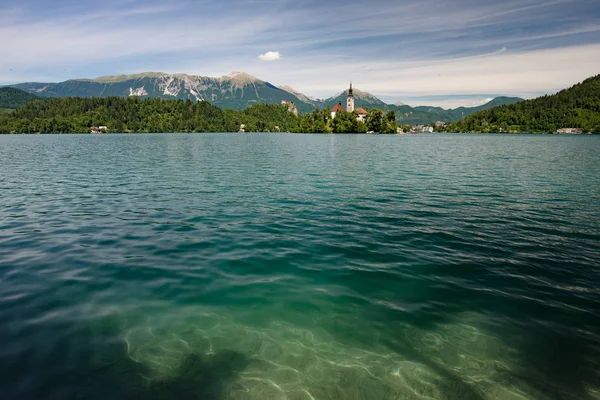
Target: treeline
(131,115)
(320,121)
(576,107)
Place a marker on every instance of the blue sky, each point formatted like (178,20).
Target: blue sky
(435,52)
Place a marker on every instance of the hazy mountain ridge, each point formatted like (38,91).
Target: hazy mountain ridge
(423,114)
(237,90)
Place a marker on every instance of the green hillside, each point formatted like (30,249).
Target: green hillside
(576,107)
(12,98)
(77,115)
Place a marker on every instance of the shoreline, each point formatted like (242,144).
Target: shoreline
(307,133)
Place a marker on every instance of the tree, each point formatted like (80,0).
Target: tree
(374,120)
(342,123)
(390,124)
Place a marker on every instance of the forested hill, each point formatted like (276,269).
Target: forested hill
(80,115)
(13,98)
(77,115)
(576,107)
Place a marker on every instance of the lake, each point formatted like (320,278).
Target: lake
(282,266)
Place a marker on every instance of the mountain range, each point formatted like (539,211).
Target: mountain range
(238,90)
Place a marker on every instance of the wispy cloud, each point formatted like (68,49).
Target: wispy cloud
(511,73)
(395,49)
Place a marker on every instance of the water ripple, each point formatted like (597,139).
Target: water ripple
(300,266)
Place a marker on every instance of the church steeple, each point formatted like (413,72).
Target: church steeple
(350,100)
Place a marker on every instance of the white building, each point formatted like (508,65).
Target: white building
(350,100)
(422,129)
(362,114)
(570,131)
(335,109)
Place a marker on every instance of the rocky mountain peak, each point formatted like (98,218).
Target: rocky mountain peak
(298,94)
(240,78)
(123,78)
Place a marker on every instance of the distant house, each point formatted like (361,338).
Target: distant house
(362,114)
(337,108)
(440,123)
(422,129)
(242,128)
(572,131)
(98,129)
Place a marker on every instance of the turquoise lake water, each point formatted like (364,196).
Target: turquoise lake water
(279,266)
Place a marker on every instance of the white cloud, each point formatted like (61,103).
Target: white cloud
(270,56)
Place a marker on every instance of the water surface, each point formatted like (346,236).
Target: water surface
(278,266)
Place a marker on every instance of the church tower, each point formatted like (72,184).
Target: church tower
(350,101)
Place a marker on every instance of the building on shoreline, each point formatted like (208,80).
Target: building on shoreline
(98,129)
(362,114)
(422,129)
(335,109)
(571,131)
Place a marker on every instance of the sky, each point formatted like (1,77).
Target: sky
(423,52)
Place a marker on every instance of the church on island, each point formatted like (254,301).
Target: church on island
(362,113)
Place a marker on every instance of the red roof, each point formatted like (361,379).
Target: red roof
(337,107)
(361,111)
